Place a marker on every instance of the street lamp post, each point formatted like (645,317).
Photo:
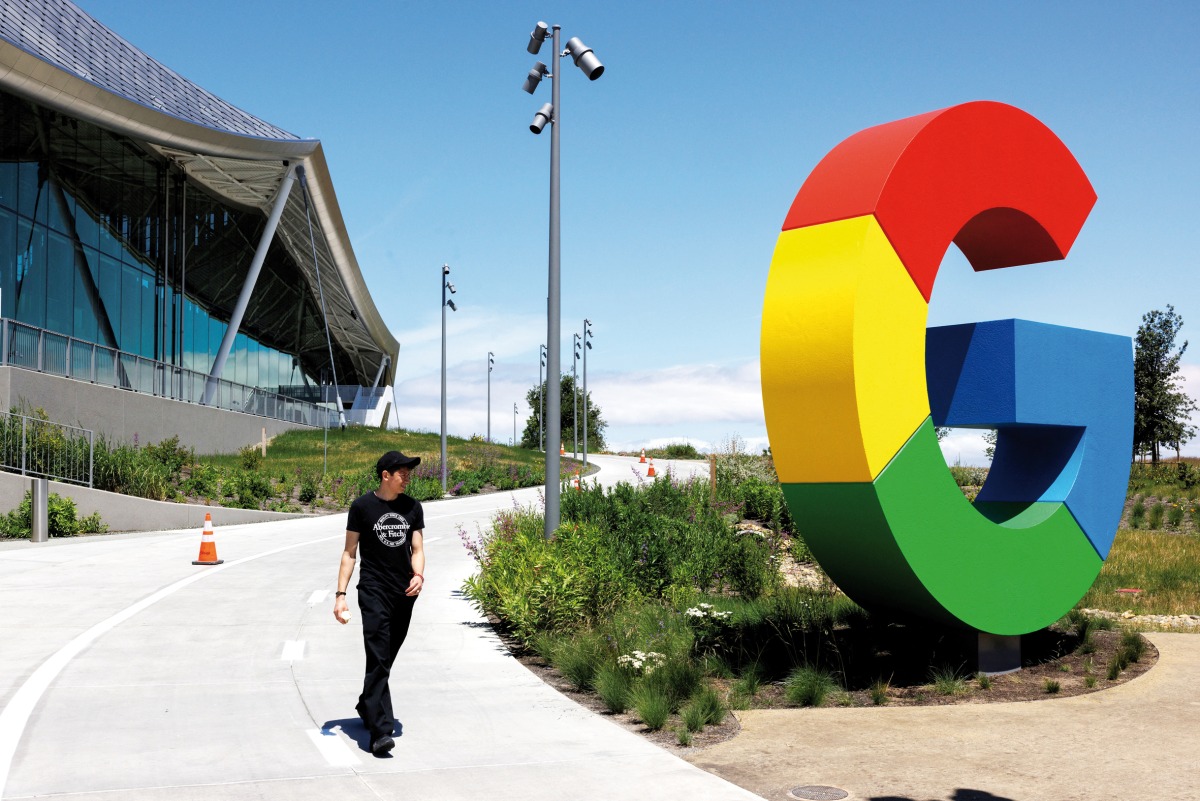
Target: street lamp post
(491,363)
(575,393)
(541,399)
(515,424)
(551,113)
(446,284)
(587,345)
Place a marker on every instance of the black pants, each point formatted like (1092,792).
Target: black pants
(385,619)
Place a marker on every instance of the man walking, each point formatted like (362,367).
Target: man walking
(389,525)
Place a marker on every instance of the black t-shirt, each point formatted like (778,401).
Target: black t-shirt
(385,539)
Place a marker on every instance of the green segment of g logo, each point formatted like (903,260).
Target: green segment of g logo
(851,413)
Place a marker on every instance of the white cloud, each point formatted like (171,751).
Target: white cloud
(701,404)
(965,446)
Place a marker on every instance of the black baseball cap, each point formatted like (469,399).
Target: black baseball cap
(392,460)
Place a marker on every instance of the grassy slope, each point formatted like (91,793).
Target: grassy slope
(358,448)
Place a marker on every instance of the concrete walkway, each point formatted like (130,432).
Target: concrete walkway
(128,673)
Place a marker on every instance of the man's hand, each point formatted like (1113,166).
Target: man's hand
(414,586)
(339,606)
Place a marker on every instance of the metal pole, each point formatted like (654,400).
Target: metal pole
(515,425)
(489,398)
(40,524)
(260,256)
(585,397)
(444,272)
(575,392)
(554,410)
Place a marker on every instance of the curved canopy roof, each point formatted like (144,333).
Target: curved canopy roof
(54,53)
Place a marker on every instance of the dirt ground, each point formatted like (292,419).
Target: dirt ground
(1070,672)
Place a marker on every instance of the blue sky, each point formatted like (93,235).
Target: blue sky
(678,167)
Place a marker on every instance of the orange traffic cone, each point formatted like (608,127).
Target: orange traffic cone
(643,459)
(562,449)
(578,486)
(650,473)
(208,546)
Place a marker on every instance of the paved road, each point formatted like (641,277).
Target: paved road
(128,673)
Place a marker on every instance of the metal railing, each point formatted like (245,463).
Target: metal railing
(34,348)
(43,449)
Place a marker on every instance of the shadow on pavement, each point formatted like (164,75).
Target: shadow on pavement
(356,731)
(961,794)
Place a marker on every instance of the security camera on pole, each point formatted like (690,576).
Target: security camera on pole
(551,113)
(446,284)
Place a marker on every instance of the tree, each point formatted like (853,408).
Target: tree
(595,422)
(1161,409)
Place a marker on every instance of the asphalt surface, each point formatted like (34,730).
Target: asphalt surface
(128,673)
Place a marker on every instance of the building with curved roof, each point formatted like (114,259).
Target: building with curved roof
(155,238)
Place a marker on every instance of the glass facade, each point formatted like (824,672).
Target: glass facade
(106,241)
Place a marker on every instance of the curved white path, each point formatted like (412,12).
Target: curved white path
(126,672)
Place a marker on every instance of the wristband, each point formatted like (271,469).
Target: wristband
(339,592)
(418,575)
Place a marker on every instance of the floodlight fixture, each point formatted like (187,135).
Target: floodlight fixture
(535,77)
(544,115)
(537,37)
(450,303)
(445,269)
(450,286)
(584,58)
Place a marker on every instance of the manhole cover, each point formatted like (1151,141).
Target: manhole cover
(817,792)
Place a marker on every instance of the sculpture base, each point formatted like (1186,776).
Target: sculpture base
(999,654)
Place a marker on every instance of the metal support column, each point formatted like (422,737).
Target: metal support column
(239,311)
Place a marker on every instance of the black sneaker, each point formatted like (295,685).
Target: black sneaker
(382,745)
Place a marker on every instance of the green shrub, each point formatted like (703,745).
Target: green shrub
(983,680)
(1133,645)
(204,481)
(579,658)
(676,681)
(709,706)
(1051,686)
(750,681)
(652,705)
(1156,516)
(1137,514)
(947,681)
(170,455)
(809,686)
(677,450)
(310,487)
(1119,662)
(879,692)
(1175,515)
(969,476)
(129,470)
(534,584)
(693,717)
(62,519)
(613,685)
